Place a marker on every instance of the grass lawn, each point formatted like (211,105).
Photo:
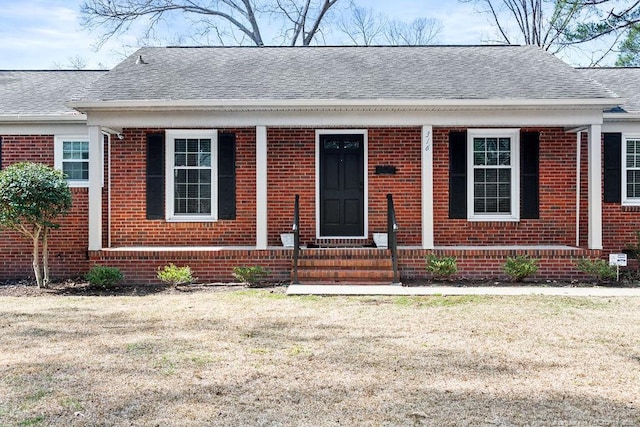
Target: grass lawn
(259,358)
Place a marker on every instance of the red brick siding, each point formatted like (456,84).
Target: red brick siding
(399,147)
(206,265)
(556,264)
(291,171)
(556,224)
(129,226)
(291,168)
(68,244)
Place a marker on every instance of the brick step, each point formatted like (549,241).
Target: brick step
(344,275)
(353,266)
(347,264)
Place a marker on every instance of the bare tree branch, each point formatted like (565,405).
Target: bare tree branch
(114,17)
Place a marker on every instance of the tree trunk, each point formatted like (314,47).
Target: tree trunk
(45,257)
(36,257)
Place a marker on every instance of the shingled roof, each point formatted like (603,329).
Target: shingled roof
(420,73)
(623,81)
(42,93)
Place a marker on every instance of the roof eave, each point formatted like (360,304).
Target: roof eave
(43,118)
(621,117)
(306,104)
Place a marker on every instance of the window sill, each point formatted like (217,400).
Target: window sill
(493,219)
(191,219)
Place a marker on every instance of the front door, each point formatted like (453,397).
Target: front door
(341,185)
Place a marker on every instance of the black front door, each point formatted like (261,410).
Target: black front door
(341,185)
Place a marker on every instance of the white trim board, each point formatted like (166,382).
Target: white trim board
(365,138)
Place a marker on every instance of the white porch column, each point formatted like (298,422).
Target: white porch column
(261,187)
(595,187)
(95,188)
(427,187)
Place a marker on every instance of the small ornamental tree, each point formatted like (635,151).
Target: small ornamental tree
(32,196)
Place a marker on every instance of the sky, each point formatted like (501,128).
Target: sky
(46,34)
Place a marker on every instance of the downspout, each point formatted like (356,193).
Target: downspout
(578,155)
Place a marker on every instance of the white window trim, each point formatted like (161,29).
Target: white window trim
(627,201)
(171,135)
(58,154)
(514,134)
(365,134)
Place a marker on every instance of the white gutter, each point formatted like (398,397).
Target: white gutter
(338,103)
(19,118)
(621,117)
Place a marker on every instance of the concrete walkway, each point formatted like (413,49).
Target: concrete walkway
(454,290)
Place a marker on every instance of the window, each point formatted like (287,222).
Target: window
(72,158)
(631,170)
(493,175)
(191,175)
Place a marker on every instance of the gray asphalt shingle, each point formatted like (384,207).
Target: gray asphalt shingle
(42,93)
(345,73)
(623,81)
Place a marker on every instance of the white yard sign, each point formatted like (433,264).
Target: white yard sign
(619,260)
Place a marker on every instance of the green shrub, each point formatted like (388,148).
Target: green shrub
(634,248)
(250,275)
(173,275)
(520,267)
(101,275)
(597,268)
(442,267)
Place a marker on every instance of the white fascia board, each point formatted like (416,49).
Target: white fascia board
(621,117)
(19,118)
(313,104)
(498,118)
(43,128)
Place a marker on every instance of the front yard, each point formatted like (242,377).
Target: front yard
(257,357)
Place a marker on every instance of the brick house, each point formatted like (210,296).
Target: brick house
(195,156)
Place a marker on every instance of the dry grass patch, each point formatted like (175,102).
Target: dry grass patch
(260,358)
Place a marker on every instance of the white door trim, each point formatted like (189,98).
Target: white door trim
(365,137)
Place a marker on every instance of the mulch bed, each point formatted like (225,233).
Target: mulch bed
(80,287)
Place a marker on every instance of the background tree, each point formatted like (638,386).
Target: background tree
(235,21)
(32,196)
(363,26)
(555,25)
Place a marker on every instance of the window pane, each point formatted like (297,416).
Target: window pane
(180,159)
(633,183)
(181,145)
(192,145)
(76,170)
(332,145)
(351,145)
(504,206)
(492,144)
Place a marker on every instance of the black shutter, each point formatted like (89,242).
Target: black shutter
(458,175)
(529,175)
(612,167)
(226,176)
(155,176)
